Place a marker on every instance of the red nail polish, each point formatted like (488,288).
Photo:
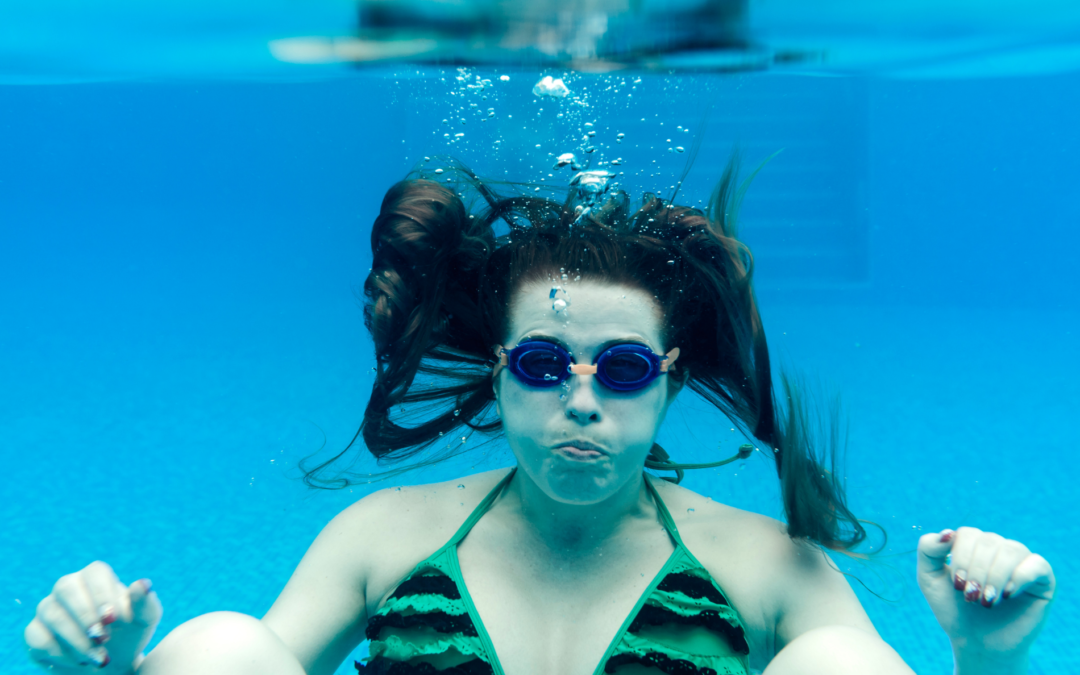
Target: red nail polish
(972,591)
(1005,595)
(946,537)
(960,581)
(110,617)
(105,662)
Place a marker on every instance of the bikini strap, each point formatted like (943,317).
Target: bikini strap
(665,515)
(480,509)
(485,504)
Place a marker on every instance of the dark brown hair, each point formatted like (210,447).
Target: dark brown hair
(438,299)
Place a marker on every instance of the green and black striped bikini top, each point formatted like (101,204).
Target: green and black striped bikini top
(681,625)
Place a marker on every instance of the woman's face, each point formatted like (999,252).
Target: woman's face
(622,424)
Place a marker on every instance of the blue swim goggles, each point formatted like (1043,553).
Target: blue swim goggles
(625,367)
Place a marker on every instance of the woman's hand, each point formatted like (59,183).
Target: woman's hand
(989,593)
(91,622)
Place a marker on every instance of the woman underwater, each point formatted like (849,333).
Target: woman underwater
(572,334)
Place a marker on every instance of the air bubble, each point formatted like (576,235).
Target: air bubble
(567,159)
(550,87)
(559,305)
(457,413)
(680,149)
(438,170)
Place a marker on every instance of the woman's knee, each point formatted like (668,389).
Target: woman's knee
(221,642)
(837,650)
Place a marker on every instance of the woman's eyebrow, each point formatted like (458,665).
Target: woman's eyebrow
(624,340)
(543,338)
(603,345)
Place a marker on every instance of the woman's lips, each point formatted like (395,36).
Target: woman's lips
(579,453)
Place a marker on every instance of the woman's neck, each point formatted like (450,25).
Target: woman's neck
(569,532)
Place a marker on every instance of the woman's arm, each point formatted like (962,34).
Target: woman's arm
(821,627)
(322,612)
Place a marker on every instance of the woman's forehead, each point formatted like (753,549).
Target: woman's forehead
(585,312)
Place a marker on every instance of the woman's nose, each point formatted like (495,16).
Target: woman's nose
(582,402)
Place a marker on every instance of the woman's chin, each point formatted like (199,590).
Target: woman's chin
(574,482)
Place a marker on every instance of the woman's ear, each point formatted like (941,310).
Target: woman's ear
(678,376)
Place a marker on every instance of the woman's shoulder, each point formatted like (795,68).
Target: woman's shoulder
(748,554)
(704,517)
(398,526)
(422,505)
(718,529)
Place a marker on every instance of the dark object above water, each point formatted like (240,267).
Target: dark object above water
(594,35)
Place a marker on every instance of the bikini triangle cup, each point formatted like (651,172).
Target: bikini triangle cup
(439,599)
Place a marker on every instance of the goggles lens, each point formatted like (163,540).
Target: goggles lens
(624,367)
(542,362)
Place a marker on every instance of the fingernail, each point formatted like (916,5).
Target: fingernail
(1007,592)
(97,634)
(107,613)
(98,656)
(989,594)
(946,537)
(971,591)
(961,579)
(147,585)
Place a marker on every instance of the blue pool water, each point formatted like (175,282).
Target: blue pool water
(179,323)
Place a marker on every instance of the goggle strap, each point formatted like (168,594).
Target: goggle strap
(669,360)
(500,353)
